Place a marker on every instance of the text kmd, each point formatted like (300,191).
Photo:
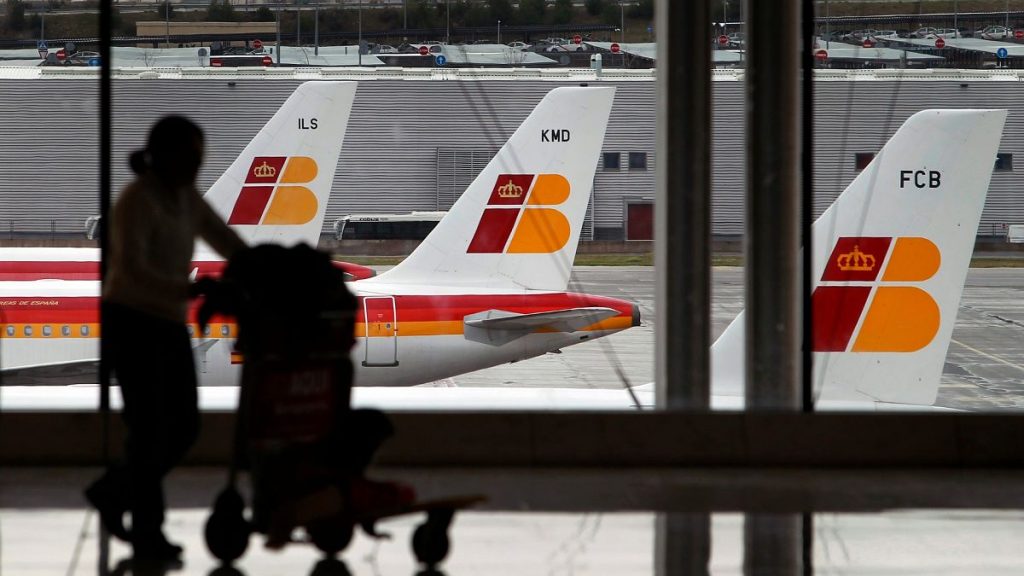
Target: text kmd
(554,135)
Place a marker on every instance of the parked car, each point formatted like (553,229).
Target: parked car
(994,33)
(924,32)
(518,45)
(736,40)
(858,36)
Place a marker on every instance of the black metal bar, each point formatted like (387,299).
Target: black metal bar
(683,207)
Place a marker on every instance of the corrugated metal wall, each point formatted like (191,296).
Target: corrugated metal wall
(407,141)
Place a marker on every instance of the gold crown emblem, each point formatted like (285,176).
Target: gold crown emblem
(510,190)
(264,171)
(856,261)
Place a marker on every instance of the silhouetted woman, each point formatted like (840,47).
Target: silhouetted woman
(146,343)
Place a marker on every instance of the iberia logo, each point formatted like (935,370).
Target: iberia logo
(516,220)
(876,308)
(272,195)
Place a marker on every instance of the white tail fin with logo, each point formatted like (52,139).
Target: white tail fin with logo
(890,260)
(519,222)
(276,191)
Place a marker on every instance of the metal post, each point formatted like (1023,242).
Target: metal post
(773,543)
(316,29)
(298,24)
(360,49)
(277,49)
(1006,24)
(42,25)
(447,22)
(682,544)
(405,17)
(683,250)
(683,215)
(167,23)
(773,207)
(622,23)
(956,14)
(499,31)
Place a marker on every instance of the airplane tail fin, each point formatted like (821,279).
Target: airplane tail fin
(519,222)
(277,190)
(890,259)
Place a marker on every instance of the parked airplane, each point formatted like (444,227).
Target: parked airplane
(275,191)
(890,260)
(486,287)
(296,151)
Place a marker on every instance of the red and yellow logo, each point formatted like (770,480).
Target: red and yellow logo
(900,317)
(271,194)
(516,220)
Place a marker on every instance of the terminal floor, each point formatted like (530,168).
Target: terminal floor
(45,529)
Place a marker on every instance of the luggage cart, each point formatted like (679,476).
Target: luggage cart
(305,448)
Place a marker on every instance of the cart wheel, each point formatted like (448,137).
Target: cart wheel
(227,531)
(430,543)
(330,535)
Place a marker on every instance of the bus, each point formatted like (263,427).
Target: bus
(411,226)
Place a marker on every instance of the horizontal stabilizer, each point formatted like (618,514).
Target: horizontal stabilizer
(62,374)
(499,327)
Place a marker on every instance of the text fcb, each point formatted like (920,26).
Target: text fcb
(516,220)
(272,193)
(873,305)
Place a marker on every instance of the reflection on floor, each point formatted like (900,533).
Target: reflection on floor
(46,530)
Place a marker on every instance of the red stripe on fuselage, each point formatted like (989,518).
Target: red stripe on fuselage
(457,307)
(77,270)
(85,309)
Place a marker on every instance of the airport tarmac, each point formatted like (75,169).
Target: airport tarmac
(984,366)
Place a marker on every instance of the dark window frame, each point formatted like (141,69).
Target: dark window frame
(638,160)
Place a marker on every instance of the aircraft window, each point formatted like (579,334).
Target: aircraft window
(862,159)
(1004,162)
(84,330)
(10,330)
(611,160)
(47,330)
(206,331)
(638,160)
(224,330)
(28,331)
(65,330)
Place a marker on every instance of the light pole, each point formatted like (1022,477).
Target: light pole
(622,22)
(499,31)
(725,15)
(167,23)
(316,29)
(277,48)
(360,47)
(298,24)
(447,22)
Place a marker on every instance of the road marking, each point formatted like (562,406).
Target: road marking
(991,356)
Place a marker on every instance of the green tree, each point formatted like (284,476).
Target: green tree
(501,10)
(16,20)
(264,14)
(221,11)
(644,9)
(561,13)
(166,10)
(478,15)
(421,14)
(596,7)
(611,14)
(532,11)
